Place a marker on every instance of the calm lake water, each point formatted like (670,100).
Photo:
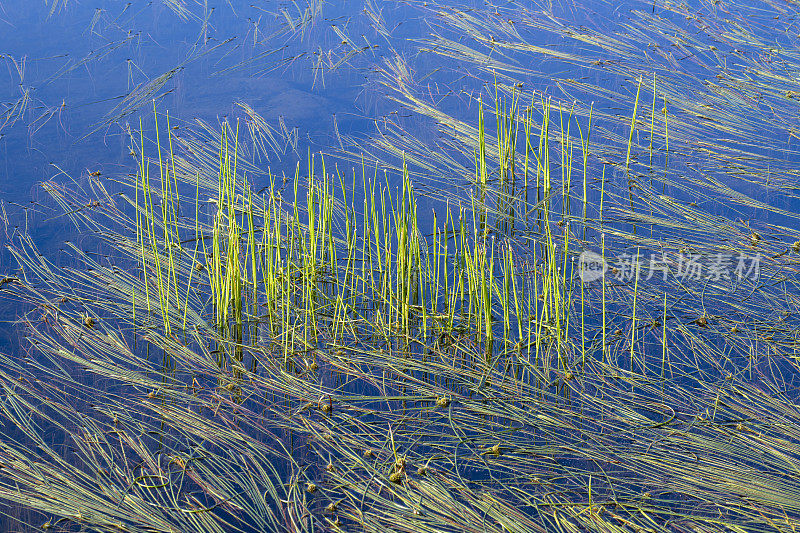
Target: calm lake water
(76,75)
(79,79)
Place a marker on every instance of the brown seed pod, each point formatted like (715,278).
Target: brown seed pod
(442,402)
(311,488)
(8,279)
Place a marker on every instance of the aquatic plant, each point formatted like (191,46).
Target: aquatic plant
(309,364)
(232,349)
